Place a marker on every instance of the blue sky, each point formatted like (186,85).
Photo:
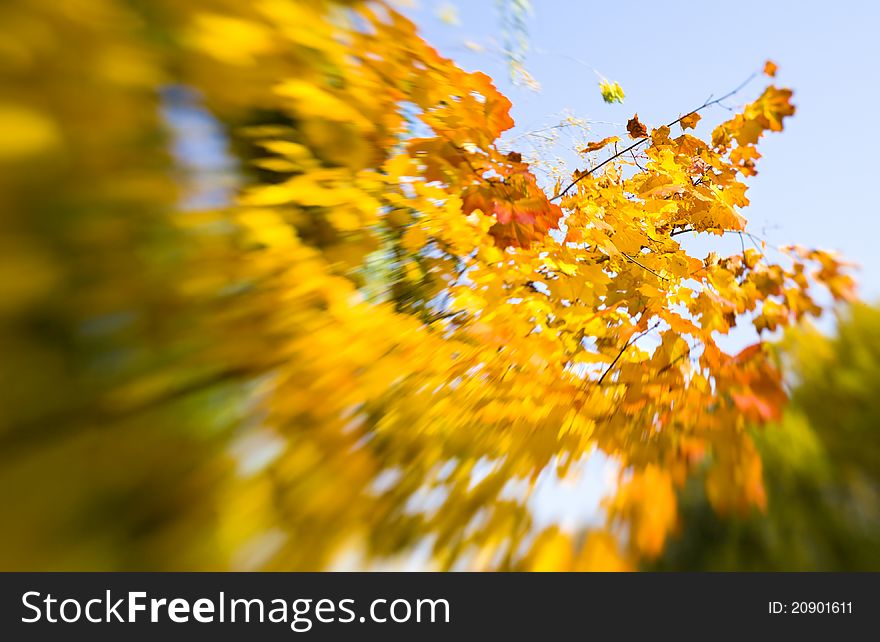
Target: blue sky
(815,181)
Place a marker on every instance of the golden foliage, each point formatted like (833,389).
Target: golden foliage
(379,338)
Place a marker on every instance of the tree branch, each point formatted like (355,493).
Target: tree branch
(644,267)
(629,342)
(752,237)
(708,103)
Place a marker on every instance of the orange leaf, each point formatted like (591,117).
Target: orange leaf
(596,146)
(521,209)
(690,121)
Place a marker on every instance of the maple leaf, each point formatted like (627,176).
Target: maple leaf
(770,68)
(660,136)
(521,218)
(759,392)
(522,211)
(690,121)
(775,105)
(744,158)
(596,146)
(635,128)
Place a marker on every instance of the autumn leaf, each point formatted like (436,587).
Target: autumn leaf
(770,68)
(635,128)
(690,121)
(596,146)
(611,92)
(522,211)
(765,113)
(774,105)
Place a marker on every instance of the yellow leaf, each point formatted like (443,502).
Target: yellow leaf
(25,132)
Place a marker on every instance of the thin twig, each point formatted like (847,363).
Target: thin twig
(669,365)
(644,267)
(629,342)
(752,237)
(635,160)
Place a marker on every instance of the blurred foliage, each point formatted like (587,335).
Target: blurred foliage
(611,92)
(515,35)
(821,468)
(386,333)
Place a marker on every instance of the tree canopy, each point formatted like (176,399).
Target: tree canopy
(392,326)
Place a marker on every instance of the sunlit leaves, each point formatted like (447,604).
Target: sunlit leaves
(404,330)
(746,128)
